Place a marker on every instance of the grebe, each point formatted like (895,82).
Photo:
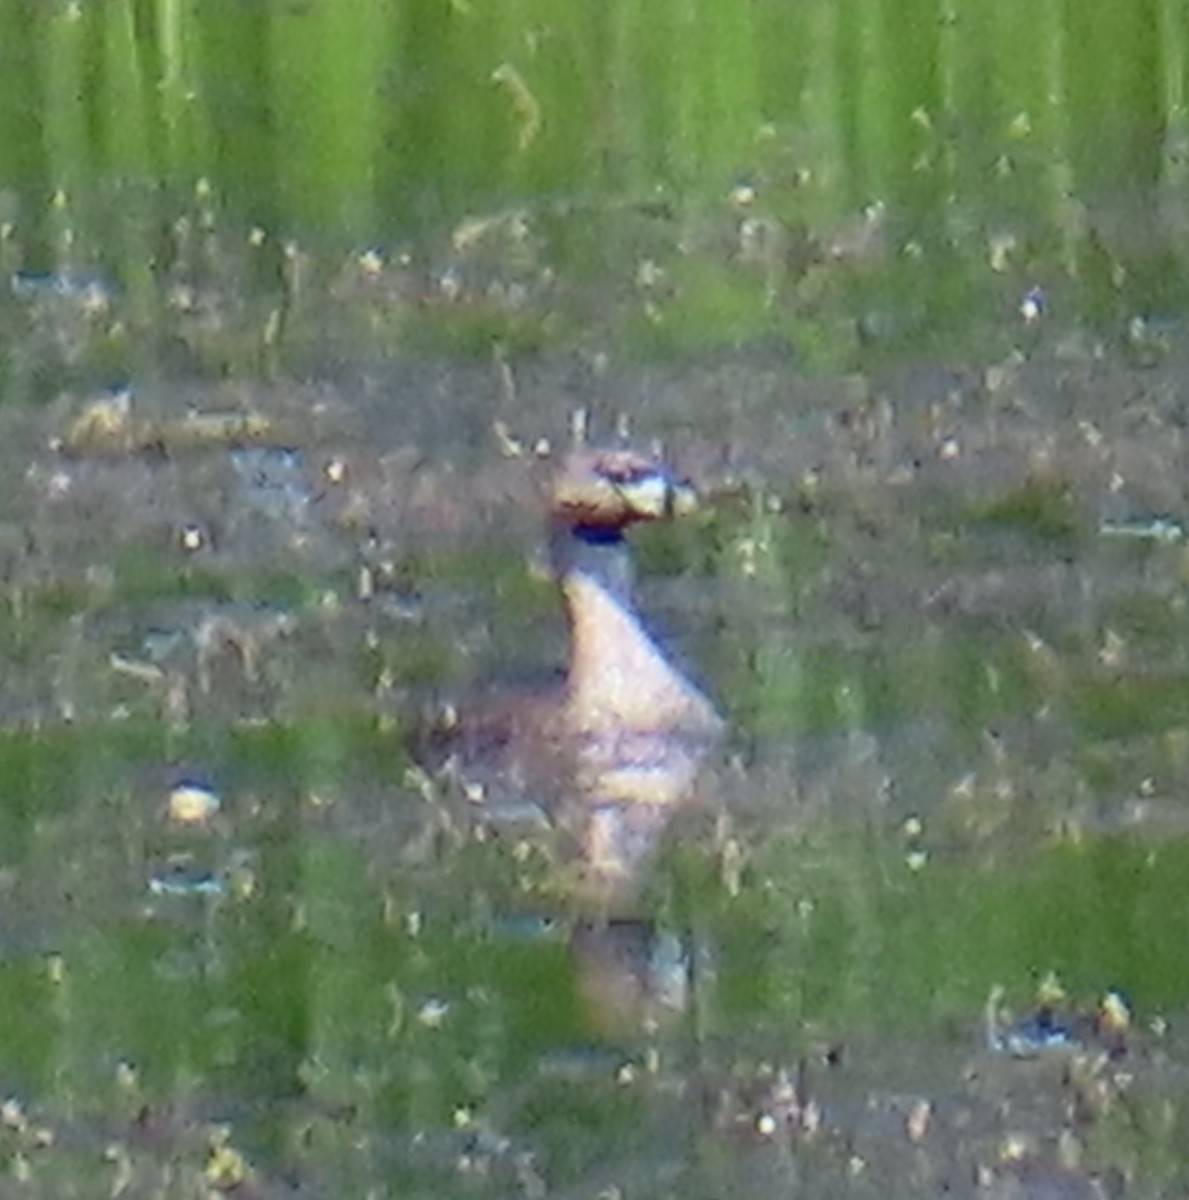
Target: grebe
(617,749)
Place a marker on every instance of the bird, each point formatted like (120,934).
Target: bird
(618,746)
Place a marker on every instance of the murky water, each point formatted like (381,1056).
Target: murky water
(292,297)
(249,942)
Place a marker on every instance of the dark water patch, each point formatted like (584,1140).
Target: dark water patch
(1040,509)
(1127,707)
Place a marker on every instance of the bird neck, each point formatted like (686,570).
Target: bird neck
(600,552)
(619,679)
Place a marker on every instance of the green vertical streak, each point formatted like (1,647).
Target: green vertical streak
(455,127)
(344,991)
(906,68)
(327,65)
(787,43)
(28,1028)
(172,72)
(733,112)
(233,96)
(1019,42)
(639,81)
(574,72)
(1002,114)
(496,110)
(62,36)
(624,123)
(1155,266)
(1045,167)
(858,109)
(973,107)
(21,115)
(1116,126)
(1113,74)
(717,82)
(823,114)
(414,113)
(1174,42)
(127,118)
(1141,94)
(502,72)
(72,46)
(184,120)
(129,121)
(687,87)
(416,134)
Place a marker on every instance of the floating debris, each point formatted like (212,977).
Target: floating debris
(193,804)
(109,425)
(1114,1014)
(370,263)
(1041,1032)
(90,291)
(1154,529)
(509,445)
(184,879)
(192,538)
(12,1114)
(742,194)
(143,672)
(214,428)
(916,860)
(432,1014)
(916,856)
(1033,305)
(1038,1034)
(916,1124)
(504,814)
(104,426)
(226,1168)
(1054,1027)
(525,106)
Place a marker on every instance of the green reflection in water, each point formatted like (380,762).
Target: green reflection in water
(310,970)
(354,980)
(994,147)
(848,935)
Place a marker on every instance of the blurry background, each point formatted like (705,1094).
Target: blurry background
(292,292)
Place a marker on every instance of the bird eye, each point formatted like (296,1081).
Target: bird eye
(631,476)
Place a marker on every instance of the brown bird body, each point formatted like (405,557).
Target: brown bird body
(618,747)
